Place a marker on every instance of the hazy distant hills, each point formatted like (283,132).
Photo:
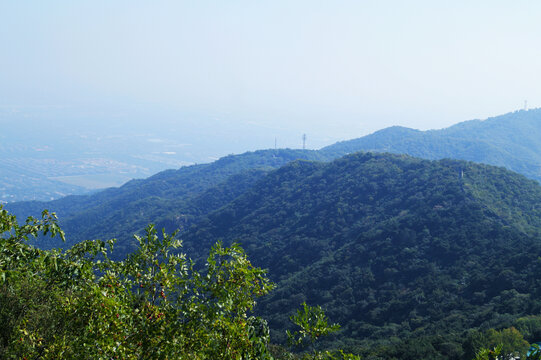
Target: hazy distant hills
(100,147)
(512,140)
(391,246)
(74,154)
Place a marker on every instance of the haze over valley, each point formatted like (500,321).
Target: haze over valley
(46,154)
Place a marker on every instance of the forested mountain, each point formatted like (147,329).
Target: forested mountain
(512,140)
(401,251)
(392,247)
(173,197)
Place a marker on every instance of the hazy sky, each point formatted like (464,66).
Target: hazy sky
(331,69)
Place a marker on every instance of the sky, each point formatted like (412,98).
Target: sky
(249,72)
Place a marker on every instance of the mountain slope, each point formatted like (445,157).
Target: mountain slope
(512,140)
(391,246)
(121,212)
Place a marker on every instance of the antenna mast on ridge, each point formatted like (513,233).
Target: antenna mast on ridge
(304,141)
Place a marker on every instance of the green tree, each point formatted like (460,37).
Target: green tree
(313,324)
(487,354)
(80,304)
(508,344)
(154,304)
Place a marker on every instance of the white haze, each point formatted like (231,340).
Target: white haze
(236,75)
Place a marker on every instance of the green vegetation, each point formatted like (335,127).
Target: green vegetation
(403,252)
(79,304)
(169,198)
(510,140)
(172,199)
(412,257)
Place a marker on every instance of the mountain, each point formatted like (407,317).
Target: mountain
(171,198)
(39,169)
(393,247)
(512,140)
(94,148)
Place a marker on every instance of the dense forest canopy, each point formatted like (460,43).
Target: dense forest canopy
(391,246)
(175,198)
(398,250)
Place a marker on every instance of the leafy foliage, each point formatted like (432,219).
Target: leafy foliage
(508,344)
(313,324)
(79,304)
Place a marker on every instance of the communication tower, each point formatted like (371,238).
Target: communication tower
(304,141)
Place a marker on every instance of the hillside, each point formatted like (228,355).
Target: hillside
(512,140)
(398,249)
(395,248)
(172,197)
(392,247)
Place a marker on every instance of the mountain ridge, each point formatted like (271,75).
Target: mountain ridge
(390,245)
(510,140)
(393,247)
(103,208)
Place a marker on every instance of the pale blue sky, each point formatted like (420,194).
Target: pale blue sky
(333,69)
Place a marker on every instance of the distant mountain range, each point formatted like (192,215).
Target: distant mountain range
(512,140)
(394,247)
(76,163)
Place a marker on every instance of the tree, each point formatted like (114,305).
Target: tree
(154,304)
(80,304)
(487,354)
(508,344)
(313,324)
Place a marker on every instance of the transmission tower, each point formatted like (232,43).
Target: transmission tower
(304,141)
